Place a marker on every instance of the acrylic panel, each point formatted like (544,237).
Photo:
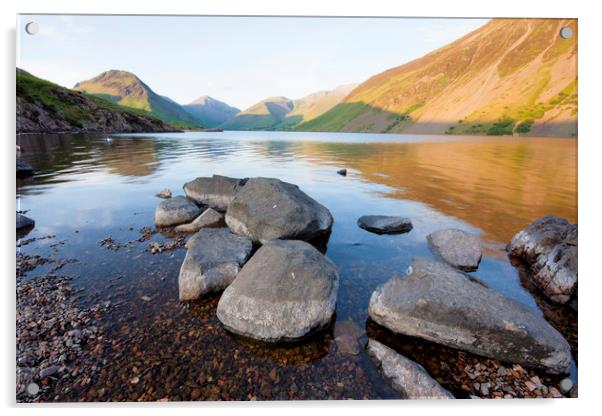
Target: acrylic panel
(295,208)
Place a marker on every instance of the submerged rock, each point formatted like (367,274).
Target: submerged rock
(287,290)
(266,209)
(457,248)
(216,192)
(346,336)
(383,224)
(24,168)
(549,246)
(24,222)
(439,304)
(210,218)
(214,258)
(410,379)
(164,193)
(342,172)
(175,211)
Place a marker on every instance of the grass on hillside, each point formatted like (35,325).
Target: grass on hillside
(36,90)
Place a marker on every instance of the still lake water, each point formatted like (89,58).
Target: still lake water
(87,189)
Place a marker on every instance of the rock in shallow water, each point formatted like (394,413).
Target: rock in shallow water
(440,304)
(214,258)
(24,222)
(266,209)
(410,379)
(457,248)
(382,224)
(286,290)
(210,218)
(175,211)
(216,192)
(24,168)
(164,193)
(549,246)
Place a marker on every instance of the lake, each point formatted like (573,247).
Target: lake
(88,188)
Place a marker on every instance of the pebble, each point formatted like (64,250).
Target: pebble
(565,385)
(49,371)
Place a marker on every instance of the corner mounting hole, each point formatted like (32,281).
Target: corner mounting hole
(32,28)
(566,33)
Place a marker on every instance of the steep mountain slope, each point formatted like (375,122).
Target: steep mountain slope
(280,113)
(509,76)
(44,107)
(210,112)
(127,89)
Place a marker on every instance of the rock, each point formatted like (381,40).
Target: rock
(342,172)
(214,258)
(382,224)
(210,218)
(287,290)
(457,248)
(164,193)
(440,304)
(175,211)
(216,192)
(565,385)
(549,246)
(49,371)
(346,334)
(24,168)
(410,379)
(266,209)
(24,222)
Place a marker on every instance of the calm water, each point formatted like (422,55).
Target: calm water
(88,189)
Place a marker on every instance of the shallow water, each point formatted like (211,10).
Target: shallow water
(88,188)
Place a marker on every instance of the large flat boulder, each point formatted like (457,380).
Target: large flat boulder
(214,258)
(216,192)
(287,290)
(457,248)
(210,218)
(439,304)
(549,246)
(383,224)
(266,209)
(175,211)
(407,377)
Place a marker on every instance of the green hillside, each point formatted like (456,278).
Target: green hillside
(127,89)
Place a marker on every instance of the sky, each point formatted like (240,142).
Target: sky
(239,60)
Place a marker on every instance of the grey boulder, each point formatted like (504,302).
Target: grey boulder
(210,218)
(457,248)
(214,258)
(24,168)
(287,290)
(266,209)
(216,192)
(549,246)
(24,222)
(383,224)
(410,379)
(175,211)
(439,304)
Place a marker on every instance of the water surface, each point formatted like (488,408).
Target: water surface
(89,188)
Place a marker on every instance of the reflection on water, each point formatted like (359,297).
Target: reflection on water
(88,188)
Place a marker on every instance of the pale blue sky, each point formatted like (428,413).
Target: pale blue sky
(239,60)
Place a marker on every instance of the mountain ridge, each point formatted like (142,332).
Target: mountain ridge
(210,111)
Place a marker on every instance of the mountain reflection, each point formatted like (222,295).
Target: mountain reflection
(498,185)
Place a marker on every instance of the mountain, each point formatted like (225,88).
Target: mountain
(508,76)
(281,113)
(128,90)
(44,107)
(210,112)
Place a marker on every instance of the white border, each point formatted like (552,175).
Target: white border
(590,142)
